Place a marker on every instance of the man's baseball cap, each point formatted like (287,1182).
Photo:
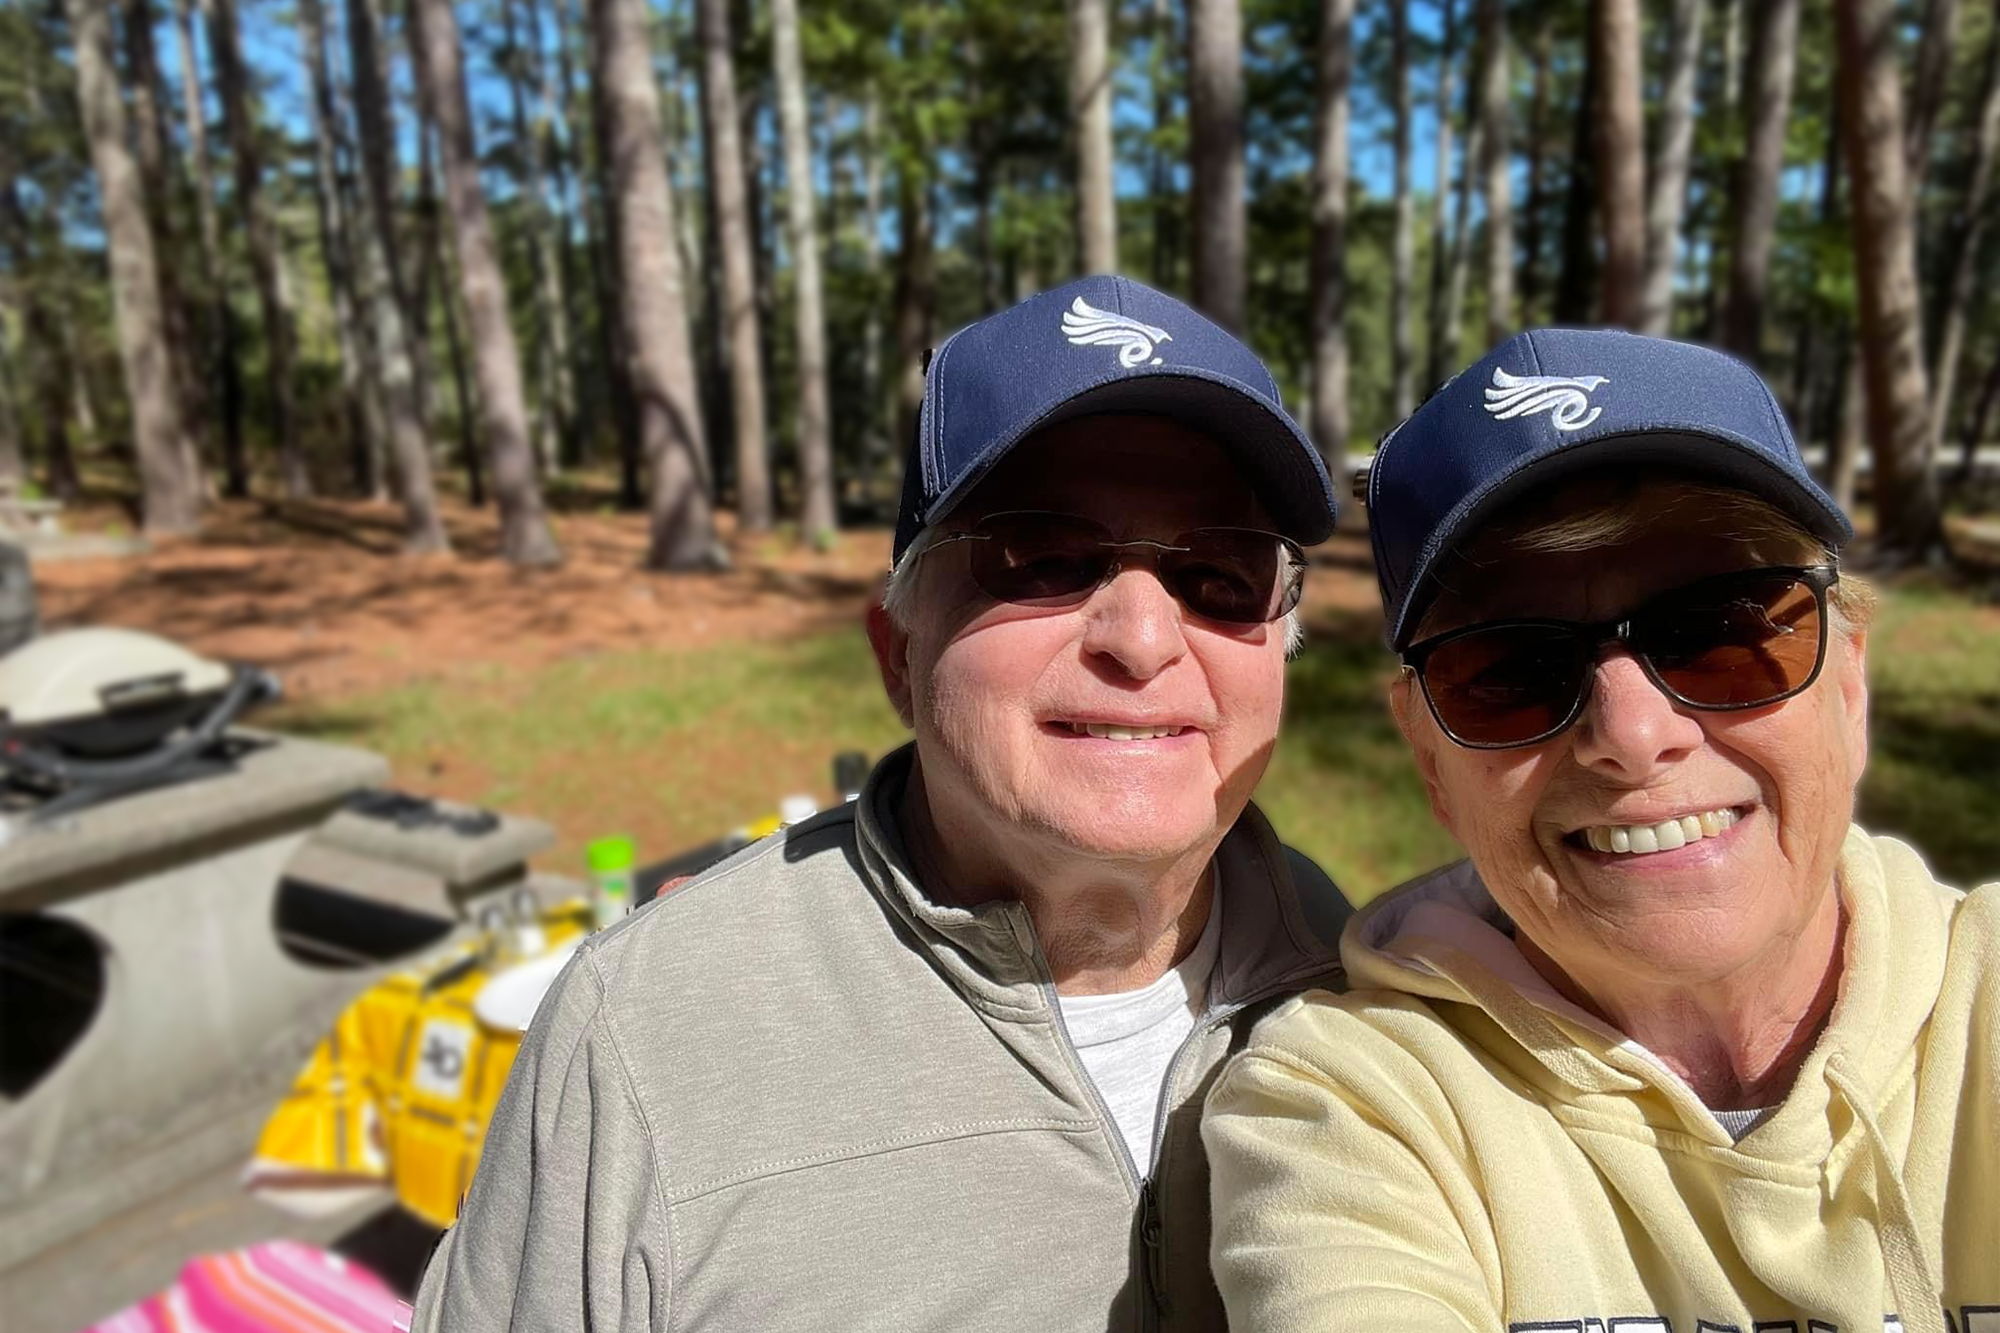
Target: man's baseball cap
(1097,345)
(1549,403)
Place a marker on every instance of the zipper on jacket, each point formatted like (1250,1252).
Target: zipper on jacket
(1151,1250)
(1152,1214)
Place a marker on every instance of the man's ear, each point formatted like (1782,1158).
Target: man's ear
(1414,721)
(892,659)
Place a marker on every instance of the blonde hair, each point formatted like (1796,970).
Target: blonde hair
(1603,510)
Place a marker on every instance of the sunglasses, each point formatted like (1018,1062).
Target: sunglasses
(1741,640)
(1239,576)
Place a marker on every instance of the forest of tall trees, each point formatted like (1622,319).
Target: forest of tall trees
(413,249)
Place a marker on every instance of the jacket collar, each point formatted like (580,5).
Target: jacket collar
(1271,933)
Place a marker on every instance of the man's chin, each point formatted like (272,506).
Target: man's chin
(1105,831)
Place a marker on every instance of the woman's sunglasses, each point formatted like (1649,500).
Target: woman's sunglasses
(1742,640)
(1239,576)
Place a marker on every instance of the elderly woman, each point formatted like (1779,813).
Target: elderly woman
(1679,1048)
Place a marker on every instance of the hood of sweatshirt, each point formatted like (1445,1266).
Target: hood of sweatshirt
(1443,938)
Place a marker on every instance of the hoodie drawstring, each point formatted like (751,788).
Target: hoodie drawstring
(1910,1275)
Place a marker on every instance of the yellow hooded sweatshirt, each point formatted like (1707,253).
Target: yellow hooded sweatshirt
(1452,1145)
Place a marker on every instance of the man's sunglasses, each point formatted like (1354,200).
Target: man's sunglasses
(1741,640)
(1239,576)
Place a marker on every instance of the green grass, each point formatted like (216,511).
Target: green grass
(675,747)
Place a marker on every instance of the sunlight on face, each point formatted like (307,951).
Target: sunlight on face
(1787,774)
(999,694)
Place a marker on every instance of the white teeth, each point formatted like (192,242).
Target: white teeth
(1106,732)
(1666,836)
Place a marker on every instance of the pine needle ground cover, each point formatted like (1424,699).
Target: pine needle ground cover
(676,747)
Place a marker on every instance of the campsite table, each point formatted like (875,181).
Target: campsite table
(398,1094)
(198,1005)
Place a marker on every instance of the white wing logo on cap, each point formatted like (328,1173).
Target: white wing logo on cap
(1563,398)
(1087,326)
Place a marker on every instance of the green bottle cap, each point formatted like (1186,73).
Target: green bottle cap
(611,854)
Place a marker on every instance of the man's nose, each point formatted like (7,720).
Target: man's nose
(1134,621)
(1629,727)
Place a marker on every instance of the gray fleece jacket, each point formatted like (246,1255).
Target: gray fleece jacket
(800,1094)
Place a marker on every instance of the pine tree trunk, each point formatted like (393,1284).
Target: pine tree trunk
(740,326)
(1532,213)
(1090,113)
(1576,291)
(1621,160)
(1335,59)
(1215,124)
(525,538)
(916,298)
(434,275)
(1436,367)
(13,458)
(155,150)
(225,46)
(1161,44)
(877,449)
(1968,233)
(1494,85)
(384,294)
(550,167)
(219,333)
(1773,48)
(1670,167)
(819,518)
(1908,520)
(170,495)
(652,303)
(553,406)
(360,396)
(1975,424)
(1402,345)
(1461,229)
(1928,85)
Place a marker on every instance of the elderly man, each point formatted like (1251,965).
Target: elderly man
(1679,1048)
(934,1060)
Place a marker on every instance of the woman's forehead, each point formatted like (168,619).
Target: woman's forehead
(1499,581)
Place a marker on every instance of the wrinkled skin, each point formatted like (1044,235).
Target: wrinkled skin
(1110,832)
(1716,950)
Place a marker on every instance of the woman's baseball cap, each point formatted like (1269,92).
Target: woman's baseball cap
(1549,403)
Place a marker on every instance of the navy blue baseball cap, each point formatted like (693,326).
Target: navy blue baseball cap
(1549,403)
(1098,345)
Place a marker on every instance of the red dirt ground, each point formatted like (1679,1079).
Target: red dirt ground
(319,591)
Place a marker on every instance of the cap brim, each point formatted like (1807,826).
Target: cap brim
(1284,468)
(1723,459)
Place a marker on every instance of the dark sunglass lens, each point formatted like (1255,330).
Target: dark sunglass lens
(1737,644)
(1507,684)
(1232,575)
(1038,557)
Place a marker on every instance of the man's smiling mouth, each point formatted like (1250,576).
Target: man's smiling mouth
(1113,732)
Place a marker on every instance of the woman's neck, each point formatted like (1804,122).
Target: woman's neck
(1737,1041)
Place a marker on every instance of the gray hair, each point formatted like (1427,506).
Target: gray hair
(899,595)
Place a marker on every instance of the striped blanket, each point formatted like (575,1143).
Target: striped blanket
(277,1287)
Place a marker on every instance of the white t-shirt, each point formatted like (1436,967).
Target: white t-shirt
(1127,1040)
